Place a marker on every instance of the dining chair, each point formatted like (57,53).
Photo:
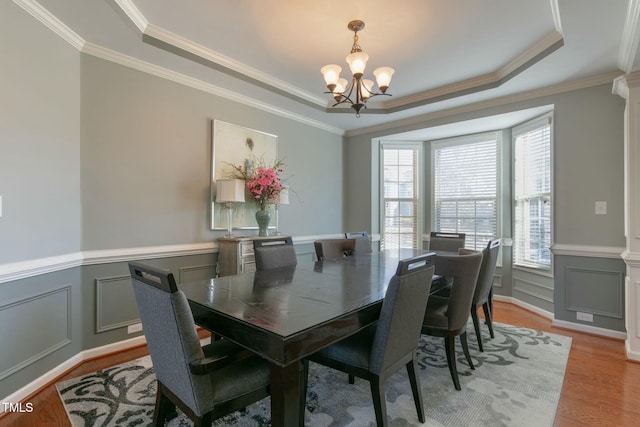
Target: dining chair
(380,350)
(484,286)
(274,253)
(362,242)
(445,241)
(447,316)
(204,382)
(327,249)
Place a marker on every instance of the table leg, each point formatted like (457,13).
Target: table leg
(287,395)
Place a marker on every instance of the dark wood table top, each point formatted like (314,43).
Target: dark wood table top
(287,313)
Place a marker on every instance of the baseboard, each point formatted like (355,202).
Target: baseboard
(526,306)
(593,330)
(55,373)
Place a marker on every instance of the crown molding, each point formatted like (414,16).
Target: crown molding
(133,13)
(54,24)
(539,50)
(180,45)
(630,37)
(492,103)
(164,73)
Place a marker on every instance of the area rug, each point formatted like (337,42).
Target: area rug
(517,382)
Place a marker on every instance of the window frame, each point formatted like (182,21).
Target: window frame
(463,140)
(529,125)
(419,187)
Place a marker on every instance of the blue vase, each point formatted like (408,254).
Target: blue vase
(263,217)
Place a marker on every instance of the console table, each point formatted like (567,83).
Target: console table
(235,255)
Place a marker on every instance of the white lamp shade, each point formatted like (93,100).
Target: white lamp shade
(357,62)
(367,89)
(331,73)
(383,77)
(341,86)
(282,198)
(229,190)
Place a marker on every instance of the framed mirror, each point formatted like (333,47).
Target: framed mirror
(234,145)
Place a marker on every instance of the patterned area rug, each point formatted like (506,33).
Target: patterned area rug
(517,382)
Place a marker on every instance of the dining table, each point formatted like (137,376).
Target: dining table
(288,313)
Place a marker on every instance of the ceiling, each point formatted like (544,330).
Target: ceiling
(447,55)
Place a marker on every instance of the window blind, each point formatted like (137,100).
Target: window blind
(400,197)
(465,187)
(532,194)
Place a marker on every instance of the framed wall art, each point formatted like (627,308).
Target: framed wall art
(234,145)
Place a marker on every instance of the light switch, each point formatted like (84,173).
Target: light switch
(0,206)
(601,208)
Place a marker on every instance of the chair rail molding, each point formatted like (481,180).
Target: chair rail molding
(587,251)
(35,267)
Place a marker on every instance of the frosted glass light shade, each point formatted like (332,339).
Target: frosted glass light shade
(230,190)
(357,62)
(368,88)
(331,73)
(383,77)
(341,86)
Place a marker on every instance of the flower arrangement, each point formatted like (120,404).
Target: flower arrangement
(263,182)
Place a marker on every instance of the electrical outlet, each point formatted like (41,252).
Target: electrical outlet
(0,206)
(136,327)
(585,317)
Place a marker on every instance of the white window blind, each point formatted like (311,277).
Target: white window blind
(465,187)
(400,197)
(532,194)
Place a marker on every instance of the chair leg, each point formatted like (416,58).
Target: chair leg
(476,326)
(204,421)
(379,401)
(305,384)
(465,349)
(488,317)
(352,379)
(416,389)
(450,350)
(163,407)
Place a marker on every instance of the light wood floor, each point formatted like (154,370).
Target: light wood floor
(601,388)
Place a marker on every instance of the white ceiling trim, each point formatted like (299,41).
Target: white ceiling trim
(54,24)
(492,103)
(219,59)
(543,47)
(630,37)
(146,67)
(133,13)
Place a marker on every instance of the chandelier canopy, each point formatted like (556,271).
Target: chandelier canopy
(359,90)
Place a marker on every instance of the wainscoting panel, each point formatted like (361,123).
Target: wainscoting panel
(590,287)
(45,318)
(595,291)
(115,303)
(533,289)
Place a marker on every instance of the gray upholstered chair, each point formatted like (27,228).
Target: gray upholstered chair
(378,351)
(483,293)
(448,316)
(327,249)
(204,382)
(446,242)
(273,253)
(362,243)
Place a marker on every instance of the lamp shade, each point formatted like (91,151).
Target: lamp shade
(357,62)
(282,198)
(229,190)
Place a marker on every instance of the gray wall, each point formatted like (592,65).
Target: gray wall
(39,140)
(99,159)
(588,167)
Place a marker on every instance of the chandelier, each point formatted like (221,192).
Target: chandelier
(359,90)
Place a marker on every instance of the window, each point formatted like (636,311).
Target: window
(532,194)
(400,228)
(465,187)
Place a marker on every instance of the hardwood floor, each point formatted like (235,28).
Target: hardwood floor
(601,388)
